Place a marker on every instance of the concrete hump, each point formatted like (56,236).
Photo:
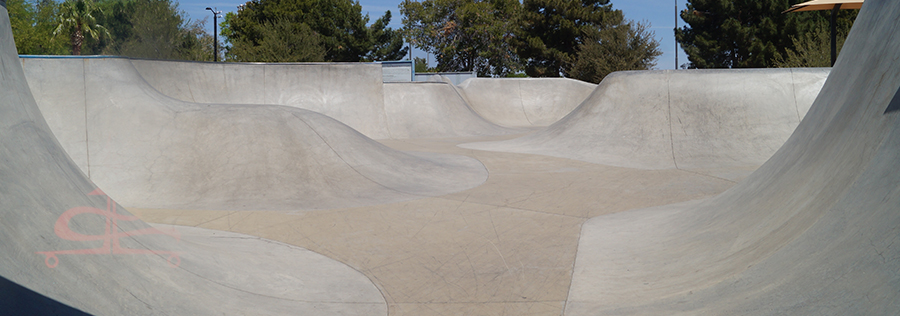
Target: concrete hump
(525,102)
(149,150)
(348,92)
(68,249)
(813,231)
(352,93)
(708,120)
(433,110)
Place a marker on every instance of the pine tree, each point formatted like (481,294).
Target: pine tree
(553,30)
(737,33)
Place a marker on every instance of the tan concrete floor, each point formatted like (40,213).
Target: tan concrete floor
(506,247)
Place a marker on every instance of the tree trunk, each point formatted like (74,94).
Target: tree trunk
(77,40)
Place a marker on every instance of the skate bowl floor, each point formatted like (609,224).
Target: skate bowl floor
(478,218)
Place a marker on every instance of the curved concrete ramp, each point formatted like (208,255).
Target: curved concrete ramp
(348,92)
(432,110)
(696,119)
(813,231)
(525,102)
(351,93)
(66,241)
(148,150)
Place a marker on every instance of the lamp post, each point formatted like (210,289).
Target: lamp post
(215,34)
(676,34)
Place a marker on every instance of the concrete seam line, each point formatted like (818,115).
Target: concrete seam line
(384,109)
(522,102)
(794,91)
(575,259)
(265,91)
(87,143)
(669,104)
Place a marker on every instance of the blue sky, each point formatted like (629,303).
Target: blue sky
(660,14)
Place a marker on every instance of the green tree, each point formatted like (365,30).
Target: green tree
(465,35)
(32,24)
(338,23)
(387,43)
(422,65)
(281,41)
(625,46)
(812,47)
(21,20)
(554,30)
(160,31)
(76,20)
(736,33)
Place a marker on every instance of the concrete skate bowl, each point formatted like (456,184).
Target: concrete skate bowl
(525,102)
(719,122)
(813,231)
(432,110)
(351,93)
(149,150)
(67,249)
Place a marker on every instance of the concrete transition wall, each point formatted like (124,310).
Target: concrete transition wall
(521,102)
(679,119)
(149,150)
(66,249)
(432,110)
(814,231)
(350,93)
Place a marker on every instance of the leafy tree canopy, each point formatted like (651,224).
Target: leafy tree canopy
(744,33)
(156,29)
(387,42)
(135,28)
(281,41)
(465,35)
(584,39)
(339,25)
(77,19)
(554,30)
(33,23)
(624,46)
(812,47)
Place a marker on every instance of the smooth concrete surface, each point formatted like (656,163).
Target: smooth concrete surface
(506,247)
(348,92)
(149,150)
(525,102)
(351,93)
(811,232)
(726,122)
(433,110)
(64,240)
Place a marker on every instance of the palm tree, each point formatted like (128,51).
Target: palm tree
(76,18)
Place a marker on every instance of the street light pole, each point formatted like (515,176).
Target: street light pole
(676,34)
(215,34)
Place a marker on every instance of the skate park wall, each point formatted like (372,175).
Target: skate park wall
(525,102)
(67,249)
(348,92)
(433,110)
(686,119)
(149,150)
(811,232)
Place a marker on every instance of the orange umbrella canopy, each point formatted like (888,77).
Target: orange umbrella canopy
(816,5)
